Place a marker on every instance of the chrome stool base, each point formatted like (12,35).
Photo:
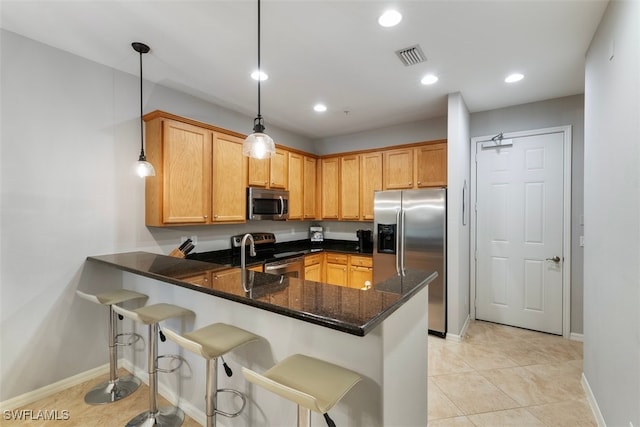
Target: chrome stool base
(167,416)
(112,391)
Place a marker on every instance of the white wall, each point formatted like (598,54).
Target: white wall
(544,114)
(458,169)
(70,136)
(407,133)
(612,215)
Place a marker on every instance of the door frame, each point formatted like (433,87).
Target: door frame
(566,226)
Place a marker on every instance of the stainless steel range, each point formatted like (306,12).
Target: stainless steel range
(286,264)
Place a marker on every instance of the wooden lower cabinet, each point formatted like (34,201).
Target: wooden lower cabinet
(336,268)
(360,271)
(313,267)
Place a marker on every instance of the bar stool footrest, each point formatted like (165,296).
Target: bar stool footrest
(172,357)
(133,338)
(237,393)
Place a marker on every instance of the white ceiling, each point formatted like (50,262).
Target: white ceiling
(329,51)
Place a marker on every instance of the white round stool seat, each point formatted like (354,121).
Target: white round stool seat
(213,342)
(311,383)
(116,388)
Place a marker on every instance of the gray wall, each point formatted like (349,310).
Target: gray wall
(458,237)
(555,112)
(612,215)
(69,140)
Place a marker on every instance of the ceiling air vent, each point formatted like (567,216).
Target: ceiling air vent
(411,55)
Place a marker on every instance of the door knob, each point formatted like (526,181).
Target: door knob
(555,259)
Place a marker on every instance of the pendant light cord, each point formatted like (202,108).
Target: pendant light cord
(259,68)
(142,156)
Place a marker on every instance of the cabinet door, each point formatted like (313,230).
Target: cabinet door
(431,166)
(398,169)
(336,274)
(229,186)
(370,181)
(360,277)
(296,191)
(278,169)
(309,190)
(350,187)
(258,172)
(186,175)
(330,177)
(313,272)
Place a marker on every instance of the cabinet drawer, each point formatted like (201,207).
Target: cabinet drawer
(312,259)
(333,258)
(361,261)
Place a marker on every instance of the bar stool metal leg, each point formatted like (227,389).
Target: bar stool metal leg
(116,388)
(169,416)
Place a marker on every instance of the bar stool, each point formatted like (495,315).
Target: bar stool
(315,385)
(212,342)
(116,388)
(169,416)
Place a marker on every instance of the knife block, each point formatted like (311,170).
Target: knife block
(177,253)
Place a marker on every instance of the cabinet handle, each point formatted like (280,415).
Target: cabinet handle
(215,216)
(206,216)
(419,183)
(410,182)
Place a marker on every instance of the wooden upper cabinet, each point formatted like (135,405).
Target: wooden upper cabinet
(310,186)
(330,178)
(278,170)
(431,165)
(370,181)
(181,154)
(398,169)
(296,182)
(271,172)
(350,187)
(229,193)
(259,172)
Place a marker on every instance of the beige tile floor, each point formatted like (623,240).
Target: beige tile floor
(498,376)
(504,376)
(81,414)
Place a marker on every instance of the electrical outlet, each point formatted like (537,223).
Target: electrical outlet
(581,240)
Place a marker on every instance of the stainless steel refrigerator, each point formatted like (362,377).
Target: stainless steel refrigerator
(410,234)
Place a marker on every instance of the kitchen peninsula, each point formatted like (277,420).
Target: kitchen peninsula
(380,333)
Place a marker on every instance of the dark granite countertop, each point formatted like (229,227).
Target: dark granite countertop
(349,310)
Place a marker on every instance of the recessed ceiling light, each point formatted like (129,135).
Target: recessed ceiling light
(512,78)
(261,75)
(320,108)
(390,18)
(429,79)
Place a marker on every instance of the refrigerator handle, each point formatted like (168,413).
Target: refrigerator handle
(398,242)
(402,245)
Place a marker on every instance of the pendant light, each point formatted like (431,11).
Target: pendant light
(258,145)
(143,168)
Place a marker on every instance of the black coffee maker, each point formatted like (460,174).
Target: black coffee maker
(365,241)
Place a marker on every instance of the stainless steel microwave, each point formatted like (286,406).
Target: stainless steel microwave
(267,204)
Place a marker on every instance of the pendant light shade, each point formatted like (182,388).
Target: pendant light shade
(143,167)
(258,145)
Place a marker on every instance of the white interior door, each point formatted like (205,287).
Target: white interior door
(519,232)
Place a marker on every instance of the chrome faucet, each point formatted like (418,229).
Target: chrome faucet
(243,256)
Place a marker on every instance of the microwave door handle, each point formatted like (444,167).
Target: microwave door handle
(281,207)
(398,242)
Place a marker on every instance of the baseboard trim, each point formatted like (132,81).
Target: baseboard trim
(48,390)
(592,402)
(576,337)
(463,332)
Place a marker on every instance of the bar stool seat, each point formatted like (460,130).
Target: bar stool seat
(115,388)
(168,416)
(313,384)
(212,342)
